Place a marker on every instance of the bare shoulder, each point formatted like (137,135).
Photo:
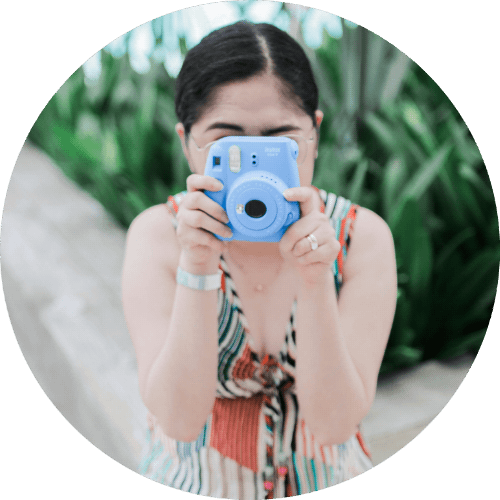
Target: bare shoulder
(371,243)
(155,221)
(371,228)
(152,234)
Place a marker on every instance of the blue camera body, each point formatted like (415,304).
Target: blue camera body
(255,171)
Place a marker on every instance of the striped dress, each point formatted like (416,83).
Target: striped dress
(255,444)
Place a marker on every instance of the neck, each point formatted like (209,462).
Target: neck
(253,248)
(260,263)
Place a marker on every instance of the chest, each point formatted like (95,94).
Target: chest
(266,308)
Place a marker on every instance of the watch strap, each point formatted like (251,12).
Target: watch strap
(199,281)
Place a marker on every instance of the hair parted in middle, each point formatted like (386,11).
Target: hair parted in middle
(235,53)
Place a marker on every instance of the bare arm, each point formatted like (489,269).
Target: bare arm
(340,344)
(173,328)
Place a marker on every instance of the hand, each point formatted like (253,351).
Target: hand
(198,219)
(312,265)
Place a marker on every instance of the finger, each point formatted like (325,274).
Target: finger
(322,255)
(197,182)
(198,200)
(306,196)
(201,238)
(304,246)
(200,220)
(298,231)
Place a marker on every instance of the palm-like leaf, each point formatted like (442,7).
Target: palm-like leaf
(391,141)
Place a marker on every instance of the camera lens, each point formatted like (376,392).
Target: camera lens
(255,209)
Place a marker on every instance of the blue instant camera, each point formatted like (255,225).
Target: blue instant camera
(255,171)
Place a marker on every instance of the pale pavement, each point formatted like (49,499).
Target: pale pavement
(61,261)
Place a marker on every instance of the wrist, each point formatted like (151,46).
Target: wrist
(320,283)
(204,267)
(205,282)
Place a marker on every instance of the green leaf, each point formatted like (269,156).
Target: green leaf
(413,247)
(382,131)
(358,181)
(394,175)
(351,68)
(404,355)
(147,109)
(375,70)
(470,175)
(85,149)
(481,308)
(448,183)
(421,262)
(67,98)
(136,202)
(470,200)
(421,181)
(457,347)
(425,176)
(415,120)
(467,283)
(395,77)
(124,94)
(110,152)
(453,245)
(466,147)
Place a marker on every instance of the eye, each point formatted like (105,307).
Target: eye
(226,134)
(285,133)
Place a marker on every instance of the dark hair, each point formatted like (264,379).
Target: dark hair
(237,52)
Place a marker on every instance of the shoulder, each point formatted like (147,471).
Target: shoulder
(158,221)
(371,244)
(153,223)
(370,227)
(152,234)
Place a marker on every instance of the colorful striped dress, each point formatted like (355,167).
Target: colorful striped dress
(255,444)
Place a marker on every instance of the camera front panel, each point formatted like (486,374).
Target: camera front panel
(255,171)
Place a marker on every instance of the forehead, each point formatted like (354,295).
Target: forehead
(256,101)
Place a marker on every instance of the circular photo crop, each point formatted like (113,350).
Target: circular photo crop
(250,250)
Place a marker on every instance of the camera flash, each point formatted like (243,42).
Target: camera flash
(235,158)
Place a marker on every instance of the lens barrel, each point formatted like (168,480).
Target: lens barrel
(255,209)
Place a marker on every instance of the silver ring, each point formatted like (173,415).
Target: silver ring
(313,241)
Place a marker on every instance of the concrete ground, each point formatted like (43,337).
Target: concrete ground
(61,266)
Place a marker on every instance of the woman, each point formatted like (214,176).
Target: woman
(256,383)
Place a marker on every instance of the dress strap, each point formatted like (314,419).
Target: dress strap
(172,205)
(342,214)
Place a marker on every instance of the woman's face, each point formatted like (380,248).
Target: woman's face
(253,107)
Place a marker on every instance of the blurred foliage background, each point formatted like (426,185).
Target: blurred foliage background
(390,141)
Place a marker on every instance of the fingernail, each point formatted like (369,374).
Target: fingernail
(286,193)
(221,186)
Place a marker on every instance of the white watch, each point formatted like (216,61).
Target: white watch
(197,281)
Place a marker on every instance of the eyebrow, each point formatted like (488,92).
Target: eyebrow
(239,128)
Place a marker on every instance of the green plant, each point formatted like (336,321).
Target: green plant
(414,162)
(115,137)
(390,141)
